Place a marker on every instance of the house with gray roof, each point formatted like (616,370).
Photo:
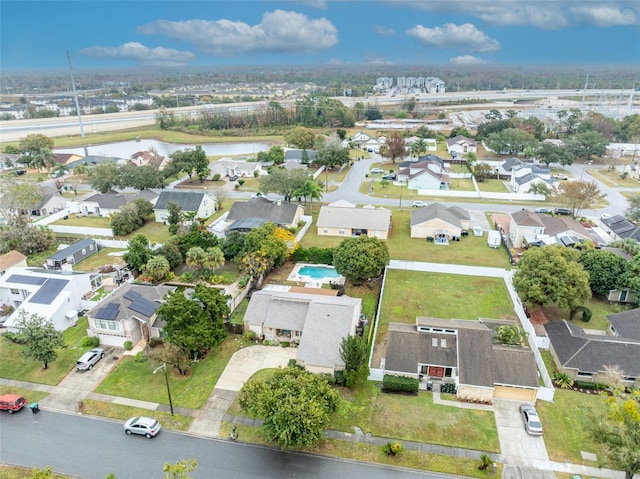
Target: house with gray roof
(586,357)
(105,204)
(439,222)
(540,229)
(299,156)
(52,201)
(54,295)
(202,204)
(128,314)
(620,228)
(345,219)
(428,173)
(72,254)
(524,176)
(461,352)
(460,145)
(259,210)
(316,323)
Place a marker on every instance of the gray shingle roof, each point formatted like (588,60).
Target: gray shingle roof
(590,353)
(527,218)
(451,215)
(514,366)
(280,213)
(73,249)
(356,218)
(187,200)
(627,323)
(111,200)
(150,293)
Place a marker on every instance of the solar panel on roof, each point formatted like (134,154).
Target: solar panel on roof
(132,295)
(109,312)
(48,291)
(22,279)
(144,308)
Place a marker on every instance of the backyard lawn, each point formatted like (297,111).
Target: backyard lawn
(566,422)
(598,306)
(14,365)
(101,258)
(190,391)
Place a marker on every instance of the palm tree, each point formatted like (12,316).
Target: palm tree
(157,267)
(313,191)
(45,158)
(418,146)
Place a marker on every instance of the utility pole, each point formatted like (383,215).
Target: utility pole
(75,96)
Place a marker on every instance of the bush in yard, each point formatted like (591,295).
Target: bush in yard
(153,342)
(140,357)
(91,342)
(15,338)
(400,384)
(562,380)
(128,345)
(392,448)
(249,335)
(485,462)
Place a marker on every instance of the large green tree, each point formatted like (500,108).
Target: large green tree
(587,144)
(548,153)
(511,141)
(42,341)
(552,274)
(606,269)
(330,152)
(295,405)
(301,137)
(206,261)
(189,161)
(195,323)
(157,267)
(138,252)
(283,182)
(361,259)
(104,176)
(353,351)
(18,199)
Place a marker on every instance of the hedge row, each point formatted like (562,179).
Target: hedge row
(313,255)
(400,383)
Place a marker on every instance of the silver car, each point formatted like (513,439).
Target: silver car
(145,426)
(531,420)
(89,358)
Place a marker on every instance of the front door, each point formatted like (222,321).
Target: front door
(436,372)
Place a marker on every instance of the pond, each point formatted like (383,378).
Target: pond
(125,149)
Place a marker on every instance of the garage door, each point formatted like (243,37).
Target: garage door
(517,394)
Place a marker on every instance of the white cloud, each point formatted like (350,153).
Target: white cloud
(605,16)
(384,31)
(278,32)
(141,54)
(320,4)
(462,37)
(466,60)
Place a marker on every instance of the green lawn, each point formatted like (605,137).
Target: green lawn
(86,221)
(613,178)
(14,365)
(408,294)
(599,307)
(493,186)
(190,391)
(30,395)
(566,422)
(121,412)
(101,258)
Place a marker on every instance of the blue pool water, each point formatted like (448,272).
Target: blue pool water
(318,272)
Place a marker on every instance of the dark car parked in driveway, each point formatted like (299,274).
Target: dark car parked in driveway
(390,176)
(562,211)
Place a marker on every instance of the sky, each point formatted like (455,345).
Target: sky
(36,35)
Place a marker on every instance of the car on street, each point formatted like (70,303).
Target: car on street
(562,211)
(531,419)
(233,177)
(376,171)
(560,176)
(418,204)
(390,176)
(20,172)
(12,402)
(144,426)
(543,210)
(88,359)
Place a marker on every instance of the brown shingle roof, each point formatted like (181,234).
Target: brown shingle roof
(10,259)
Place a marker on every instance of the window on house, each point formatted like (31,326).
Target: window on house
(443,343)
(585,375)
(325,230)
(623,295)
(111,325)
(434,342)
(15,291)
(340,231)
(448,372)
(84,251)
(90,247)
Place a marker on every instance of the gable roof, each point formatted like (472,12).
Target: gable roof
(555,225)
(278,212)
(186,200)
(343,216)
(73,249)
(526,217)
(510,163)
(591,353)
(131,300)
(296,155)
(111,200)
(626,324)
(459,139)
(622,227)
(452,215)
(10,259)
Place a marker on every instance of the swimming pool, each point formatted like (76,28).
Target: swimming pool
(318,272)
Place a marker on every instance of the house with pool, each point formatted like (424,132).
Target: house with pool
(342,218)
(316,323)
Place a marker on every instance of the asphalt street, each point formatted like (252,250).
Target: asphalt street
(92,448)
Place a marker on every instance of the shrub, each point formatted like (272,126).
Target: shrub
(339,378)
(128,345)
(6,310)
(216,177)
(392,448)
(140,357)
(90,341)
(485,462)
(249,335)
(563,380)
(284,344)
(588,385)
(242,282)
(400,384)
(15,338)
(153,342)
(294,364)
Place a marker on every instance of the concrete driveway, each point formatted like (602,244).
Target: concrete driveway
(248,361)
(522,448)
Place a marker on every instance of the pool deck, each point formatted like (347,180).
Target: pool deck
(310,282)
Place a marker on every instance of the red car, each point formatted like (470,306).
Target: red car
(12,403)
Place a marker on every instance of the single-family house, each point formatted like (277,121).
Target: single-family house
(587,357)
(246,215)
(54,295)
(105,204)
(342,218)
(623,295)
(525,224)
(52,201)
(461,145)
(67,158)
(72,254)
(203,205)
(9,160)
(527,228)
(439,222)
(360,139)
(428,174)
(12,259)
(620,228)
(461,352)
(150,158)
(524,176)
(299,156)
(316,323)
(128,314)
(242,168)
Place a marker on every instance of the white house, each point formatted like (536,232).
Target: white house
(56,296)
(524,176)
(200,203)
(461,144)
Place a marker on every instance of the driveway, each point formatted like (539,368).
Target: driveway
(515,444)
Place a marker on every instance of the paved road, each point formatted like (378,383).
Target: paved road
(92,448)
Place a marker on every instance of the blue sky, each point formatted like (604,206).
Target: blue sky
(108,34)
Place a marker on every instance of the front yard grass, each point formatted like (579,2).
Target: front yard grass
(567,421)
(177,422)
(613,178)
(190,391)
(31,395)
(408,294)
(15,365)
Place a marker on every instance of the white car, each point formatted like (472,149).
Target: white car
(377,170)
(145,426)
(88,359)
(418,204)
(560,176)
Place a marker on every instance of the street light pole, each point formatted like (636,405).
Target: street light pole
(401,183)
(166,378)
